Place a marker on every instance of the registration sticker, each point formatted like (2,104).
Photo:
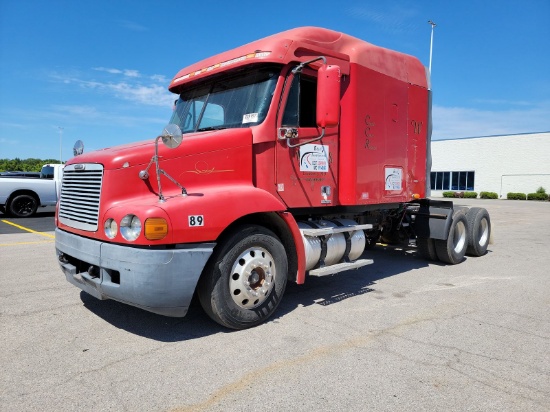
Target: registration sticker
(250,118)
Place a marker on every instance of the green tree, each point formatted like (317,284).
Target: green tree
(24,165)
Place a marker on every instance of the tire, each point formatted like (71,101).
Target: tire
(23,206)
(479,231)
(426,248)
(245,278)
(453,249)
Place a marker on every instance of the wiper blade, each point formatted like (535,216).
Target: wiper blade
(204,129)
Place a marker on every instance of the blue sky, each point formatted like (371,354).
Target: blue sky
(100,69)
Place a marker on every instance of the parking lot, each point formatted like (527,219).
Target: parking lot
(402,334)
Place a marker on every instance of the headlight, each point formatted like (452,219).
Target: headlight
(111,228)
(130,227)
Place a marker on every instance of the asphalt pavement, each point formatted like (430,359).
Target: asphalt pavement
(402,334)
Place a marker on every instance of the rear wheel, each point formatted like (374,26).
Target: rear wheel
(245,278)
(479,231)
(23,206)
(453,249)
(426,248)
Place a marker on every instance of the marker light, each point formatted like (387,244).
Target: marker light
(130,227)
(156,228)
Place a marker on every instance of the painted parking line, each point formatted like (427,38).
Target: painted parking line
(27,229)
(25,243)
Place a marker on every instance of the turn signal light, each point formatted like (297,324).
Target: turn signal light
(156,228)
(416,196)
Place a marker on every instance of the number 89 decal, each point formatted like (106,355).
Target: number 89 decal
(196,220)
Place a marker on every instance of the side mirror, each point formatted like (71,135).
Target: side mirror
(171,136)
(328,96)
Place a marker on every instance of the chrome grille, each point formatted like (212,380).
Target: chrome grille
(80,194)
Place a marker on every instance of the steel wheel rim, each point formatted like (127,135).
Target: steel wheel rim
(459,237)
(484,232)
(252,278)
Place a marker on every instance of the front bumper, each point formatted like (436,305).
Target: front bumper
(159,281)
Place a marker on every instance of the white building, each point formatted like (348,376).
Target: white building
(500,164)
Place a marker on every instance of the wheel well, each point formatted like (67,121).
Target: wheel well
(276,224)
(22,192)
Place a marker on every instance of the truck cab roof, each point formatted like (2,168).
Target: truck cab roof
(302,44)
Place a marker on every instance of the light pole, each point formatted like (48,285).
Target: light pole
(431,44)
(60,144)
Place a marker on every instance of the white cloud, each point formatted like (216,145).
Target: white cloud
(125,72)
(455,122)
(3,140)
(393,19)
(131,25)
(107,70)
(150,94)
(131,73)
(159,78)
(501,102)
(131,88)
(76,110)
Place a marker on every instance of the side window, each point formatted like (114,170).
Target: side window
(47,172)
(300,110)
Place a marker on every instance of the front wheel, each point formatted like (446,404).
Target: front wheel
(245,278)
(23,206)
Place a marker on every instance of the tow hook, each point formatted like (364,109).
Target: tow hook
(93,271)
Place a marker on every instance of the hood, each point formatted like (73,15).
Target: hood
(140,153)
(114,157)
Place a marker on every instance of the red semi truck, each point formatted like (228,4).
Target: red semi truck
(284,158)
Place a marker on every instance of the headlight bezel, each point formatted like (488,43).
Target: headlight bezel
(130,227)
(110,228)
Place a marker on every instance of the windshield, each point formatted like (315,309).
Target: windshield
(236,101)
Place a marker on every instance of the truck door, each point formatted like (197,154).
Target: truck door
(306,168)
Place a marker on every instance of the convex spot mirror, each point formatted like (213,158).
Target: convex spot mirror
(78,148)
(171,136)
(328,96)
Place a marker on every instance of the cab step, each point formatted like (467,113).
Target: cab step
(340,267)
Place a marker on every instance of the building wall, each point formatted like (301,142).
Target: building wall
(502,164)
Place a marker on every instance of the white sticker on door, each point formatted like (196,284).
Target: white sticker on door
(314,158)
(394,177)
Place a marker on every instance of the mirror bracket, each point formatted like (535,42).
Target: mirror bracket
(171,137)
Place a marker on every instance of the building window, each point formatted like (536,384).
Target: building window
(452,180)
(440,180)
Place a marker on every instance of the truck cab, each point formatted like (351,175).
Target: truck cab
(283,158)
